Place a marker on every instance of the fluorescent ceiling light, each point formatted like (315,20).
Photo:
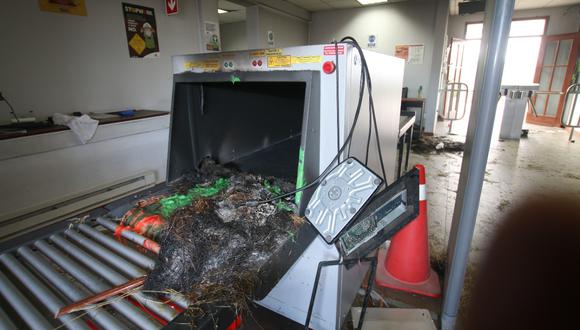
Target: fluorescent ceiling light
(221,11)
(370,2)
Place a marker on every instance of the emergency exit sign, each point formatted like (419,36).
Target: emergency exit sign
(171,7)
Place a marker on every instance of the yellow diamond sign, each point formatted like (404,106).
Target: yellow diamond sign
(137,43)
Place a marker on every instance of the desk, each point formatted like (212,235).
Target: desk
(41,129)
(415,103)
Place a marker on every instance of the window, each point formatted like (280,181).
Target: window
(522,51)
(518,28)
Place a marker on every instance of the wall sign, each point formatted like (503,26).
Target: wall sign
(372,41)
(270,38)
(212,36)
(72,7)
(171,7)
(412,54)
(141,31)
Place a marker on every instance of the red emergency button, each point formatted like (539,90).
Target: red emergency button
(254,63)
(259,62)
(328,67)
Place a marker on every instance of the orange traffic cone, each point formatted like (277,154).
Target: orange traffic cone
(405,266)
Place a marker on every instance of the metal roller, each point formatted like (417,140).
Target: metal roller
(22,306)
(72,292)
(113,277)
(136,257)
(130,235)
(95,284)
(5,322)
(122,264)
(42,293)
(113,259)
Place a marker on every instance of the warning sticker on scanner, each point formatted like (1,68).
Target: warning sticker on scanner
(331,50)
(306,59)
(206,65)
(279,61)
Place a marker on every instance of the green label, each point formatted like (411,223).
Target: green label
(300,176)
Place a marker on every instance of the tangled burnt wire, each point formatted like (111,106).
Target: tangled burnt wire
(212,250)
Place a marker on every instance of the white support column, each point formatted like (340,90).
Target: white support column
(255,40)
(206,11)
(439,46)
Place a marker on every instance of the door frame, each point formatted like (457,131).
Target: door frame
(555,121)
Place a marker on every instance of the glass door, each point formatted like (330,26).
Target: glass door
(554,73)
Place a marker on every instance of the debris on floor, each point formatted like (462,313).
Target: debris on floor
(436,144)
(213,245)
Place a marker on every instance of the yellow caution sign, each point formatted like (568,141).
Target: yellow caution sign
(306,59)
(192,65)
(137,43)
(273,51)
(211,65)
(258,53)
(279,61)
(206,65)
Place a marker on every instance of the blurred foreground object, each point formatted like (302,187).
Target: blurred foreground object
(530,277)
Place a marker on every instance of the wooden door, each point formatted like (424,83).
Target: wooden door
(554,73)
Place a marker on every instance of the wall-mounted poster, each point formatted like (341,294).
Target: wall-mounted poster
(141,29)
(212,36)
(412,54)
(72,7)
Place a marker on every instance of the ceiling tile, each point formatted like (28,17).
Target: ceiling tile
(311,5)
(343,3)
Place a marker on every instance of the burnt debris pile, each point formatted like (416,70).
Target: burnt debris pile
(213,245)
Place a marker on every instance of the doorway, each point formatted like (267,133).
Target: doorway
(523,50)
(554,72)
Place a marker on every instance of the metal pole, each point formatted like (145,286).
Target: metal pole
(22,306)
(72,292)
(125,251)
(114,277)
(44,295)
(96,285)
(498,15)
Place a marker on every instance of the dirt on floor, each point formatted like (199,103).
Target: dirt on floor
(212,249)
(436,144)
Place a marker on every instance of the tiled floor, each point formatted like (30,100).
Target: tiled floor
(542,164)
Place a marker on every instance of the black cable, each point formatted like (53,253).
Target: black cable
(328,168)
(337,101)
(369,136)
(12,112)
(346,143)
(360,99)
(371,102)
(345,262)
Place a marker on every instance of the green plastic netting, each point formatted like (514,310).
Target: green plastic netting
(277,191)
(172,203)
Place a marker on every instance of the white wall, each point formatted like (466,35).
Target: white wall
(560,20)
(396,23)
(234,36)
(53,62)
(288,31)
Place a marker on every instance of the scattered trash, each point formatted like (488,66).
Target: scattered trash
(432,144)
